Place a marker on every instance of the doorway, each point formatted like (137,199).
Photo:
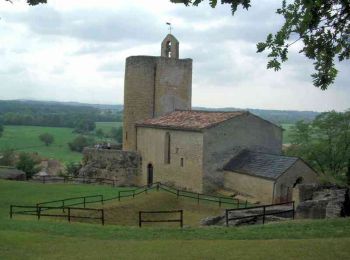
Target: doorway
(149,174)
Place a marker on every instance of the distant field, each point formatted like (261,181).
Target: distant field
(28,238)
(25,138)
(286,133)
(106,126)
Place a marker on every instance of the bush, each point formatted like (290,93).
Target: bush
(27,164)
(72,169)
(79,143)
(1,130)
(7,157)
(46,138)
(85,126)
(117,134)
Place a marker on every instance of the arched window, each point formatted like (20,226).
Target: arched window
(167,147)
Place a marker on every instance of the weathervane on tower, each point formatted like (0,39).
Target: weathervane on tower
(170,27)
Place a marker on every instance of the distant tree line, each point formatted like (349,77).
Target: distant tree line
(54,114)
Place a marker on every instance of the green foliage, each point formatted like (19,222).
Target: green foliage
(7,157)
(1,130)
(80,142)
(99,133)
(72,169)
(46,138)
(324,143)
(323,26)
(27,164)
(85,125)
(117,134)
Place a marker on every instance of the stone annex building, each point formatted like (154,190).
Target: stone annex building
(203,151)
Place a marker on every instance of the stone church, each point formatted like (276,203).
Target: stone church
(165,140)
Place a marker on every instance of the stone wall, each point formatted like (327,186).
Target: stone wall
(122,166)
(151,143)
(259,189)
(226,140)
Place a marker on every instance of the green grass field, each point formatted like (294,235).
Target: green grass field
(28,238)
(25,138)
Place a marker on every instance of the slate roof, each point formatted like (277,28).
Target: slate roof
(190,119)
(268,166)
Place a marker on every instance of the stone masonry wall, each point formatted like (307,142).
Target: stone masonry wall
(122,166)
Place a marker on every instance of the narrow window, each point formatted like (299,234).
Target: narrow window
(168,49)
(167,147)
(182,162)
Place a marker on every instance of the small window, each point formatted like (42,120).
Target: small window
(167,148)
(182,162)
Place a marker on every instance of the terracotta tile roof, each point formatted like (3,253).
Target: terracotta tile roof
(190,119)
(269,166)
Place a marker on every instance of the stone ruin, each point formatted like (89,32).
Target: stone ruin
(121,166)
(317,201)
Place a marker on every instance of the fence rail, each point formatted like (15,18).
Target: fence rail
(179,220)
(37,211)
(182,193)
(78,180)
(263,214)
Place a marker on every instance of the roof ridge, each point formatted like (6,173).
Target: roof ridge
(211,111)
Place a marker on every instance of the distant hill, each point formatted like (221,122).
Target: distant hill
(276,116)
(54,107)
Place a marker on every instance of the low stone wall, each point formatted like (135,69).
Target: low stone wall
(120,165)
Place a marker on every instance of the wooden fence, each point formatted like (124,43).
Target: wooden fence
(263,212)
(67,212)
(78,180)
(178,220)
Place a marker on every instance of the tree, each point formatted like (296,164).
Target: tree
(117,134)
(85,125)
(7,157)
(322,25)
(1,130)
(32,2)
(27,164)
(99,133)
(46,138)
(324,143)
(79,143)
(72,169)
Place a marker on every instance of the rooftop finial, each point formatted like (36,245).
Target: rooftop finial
(170,27)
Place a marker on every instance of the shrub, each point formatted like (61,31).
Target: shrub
(46,138)
(27,164)
(72,169)
(117,134)
(79,143)
(7,157)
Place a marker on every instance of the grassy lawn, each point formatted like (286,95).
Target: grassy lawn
(27,238)
(25,138)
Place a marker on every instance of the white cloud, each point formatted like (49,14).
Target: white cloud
(75,51)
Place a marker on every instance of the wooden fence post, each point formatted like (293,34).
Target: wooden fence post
(11,212)
(102,217)
(62,205)
(177,194)
(118,195)
(182,218)
(264,211)
(198,198)
(68,214)
(293,209)
(38,212)
(140,222)
(84,202)
(226,217)
(102,200)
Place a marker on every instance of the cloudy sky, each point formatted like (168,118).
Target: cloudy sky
(75,51)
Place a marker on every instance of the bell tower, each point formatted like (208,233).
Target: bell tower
(154,86)
(170,47)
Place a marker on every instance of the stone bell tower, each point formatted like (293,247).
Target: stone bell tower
(155,86)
